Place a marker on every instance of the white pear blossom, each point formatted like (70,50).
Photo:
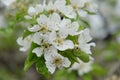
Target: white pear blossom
(31,11)
(84,39)
(24,43)
(44,47)
(66,10)
(68,28)
(91,6)
(35,11)
(46,24)
(43,43)
(61,7)
(77,6)
(60,42)
(50,7)
(82,6)
(82,67)
(55,60)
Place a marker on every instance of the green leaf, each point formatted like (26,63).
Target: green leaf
(26,33)
(41,67)
(70,55)
(81,55)
(32,58)
(73,38)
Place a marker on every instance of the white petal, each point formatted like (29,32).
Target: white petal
(82,13)
(55,17)
(64,22)
(39,8)
(37,38)
(54,21)
(66,62)
(84,36)
(68,11)
(35,28)
(24,43)
(73,28)
(38,51)
(60,3)
(63,33)
(50,7)
(50,67)
(52,37)
(86,47)
(79,3)
(31,11)
(42,20)
(20,41)
(66,45)
(75,66)
(48,54)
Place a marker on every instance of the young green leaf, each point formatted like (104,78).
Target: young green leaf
(41,67)
(32,58)
(70,55)
(81,55)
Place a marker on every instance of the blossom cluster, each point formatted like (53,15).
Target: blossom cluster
(57,29)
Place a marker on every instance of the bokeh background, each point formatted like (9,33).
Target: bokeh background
(105,30)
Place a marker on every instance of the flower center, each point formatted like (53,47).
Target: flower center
(44,29)
(45,45)
(59,41)
(57,61)
(75,7)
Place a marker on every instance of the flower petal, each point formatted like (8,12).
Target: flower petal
(31,11)
(84,36)
(35,28)
(37,38)
(82,13)
(68,44)
(38,51)
(42,20)
(50,67)
(54,21)
(86,47)
(24,43)
(66,62)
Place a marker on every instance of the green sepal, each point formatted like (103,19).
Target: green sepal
(26,33)
(80,28)
(41,67)
(81,55)
(32,58)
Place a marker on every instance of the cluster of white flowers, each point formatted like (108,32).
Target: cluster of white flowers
(55,22)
